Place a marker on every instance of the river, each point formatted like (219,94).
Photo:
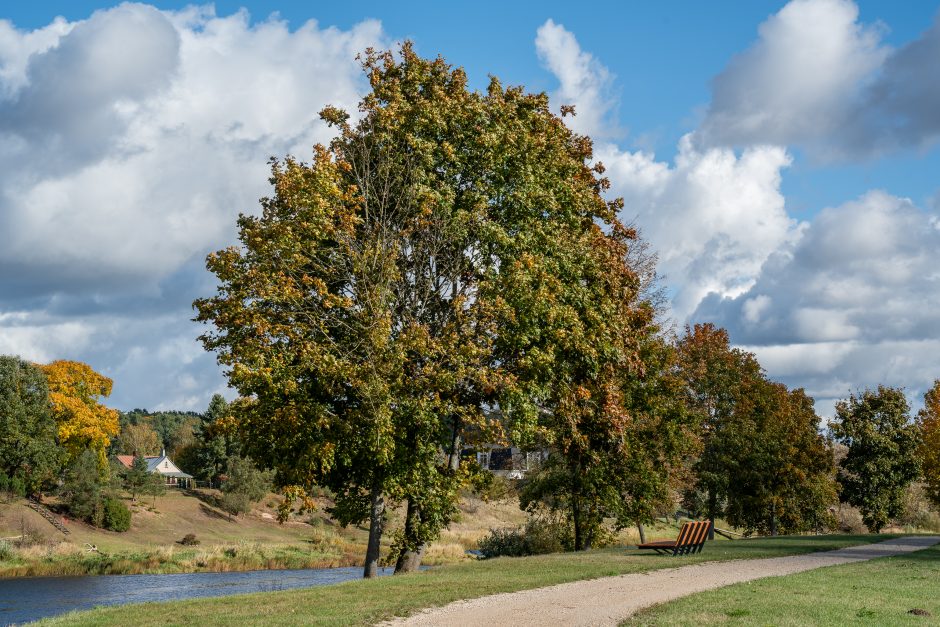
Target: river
(31,598)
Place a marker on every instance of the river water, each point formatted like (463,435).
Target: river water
(31,598)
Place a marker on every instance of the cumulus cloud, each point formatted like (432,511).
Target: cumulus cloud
(583,81)
(129,143)
(855,302)
(714,216)
(818,78)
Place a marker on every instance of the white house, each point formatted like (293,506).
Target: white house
(161,465)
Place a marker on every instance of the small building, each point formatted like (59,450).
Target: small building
(164,466)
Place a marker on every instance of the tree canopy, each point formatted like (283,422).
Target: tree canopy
(928,421)
(881,461)
(83,422)
(450,251)
(28,444)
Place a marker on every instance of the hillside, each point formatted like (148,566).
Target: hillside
(255,540)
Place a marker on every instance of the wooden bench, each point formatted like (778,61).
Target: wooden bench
(691,539)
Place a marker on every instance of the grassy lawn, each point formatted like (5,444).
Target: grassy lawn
(879,592)
(366,602)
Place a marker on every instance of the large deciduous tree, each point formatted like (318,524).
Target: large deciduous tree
(346,319)
(716,378)
(448,251)
(881,460)
(928,421)
(28,447)
(83,422)
(780,467)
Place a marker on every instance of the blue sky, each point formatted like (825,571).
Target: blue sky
(782,159)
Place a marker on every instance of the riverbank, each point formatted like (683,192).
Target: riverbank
(67,559)
(372,601)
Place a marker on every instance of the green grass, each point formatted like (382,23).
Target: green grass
(879,592)
(367,602)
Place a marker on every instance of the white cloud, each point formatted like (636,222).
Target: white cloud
(856,301)
(799,80)
(851,299)
(17,47)
(38,339)
(137,139)
(818,78)
(583,81)
(714,216)
(129,143)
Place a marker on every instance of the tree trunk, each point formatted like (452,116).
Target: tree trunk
(773,519)
(453,461)
(712,506)
(576,518)
(639,527)
(376,523)
(409,560)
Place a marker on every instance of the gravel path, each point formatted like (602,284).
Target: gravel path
(609,600)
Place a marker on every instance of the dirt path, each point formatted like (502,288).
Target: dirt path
(609,600)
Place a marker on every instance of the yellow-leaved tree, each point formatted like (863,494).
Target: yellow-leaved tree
(83,422)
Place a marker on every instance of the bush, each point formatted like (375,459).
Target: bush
(116,515)
(919,512)
(17,487)
(850,520)
(534,538)
(189,540)
(29,535)
(6,551)
(236,503)
(244,485)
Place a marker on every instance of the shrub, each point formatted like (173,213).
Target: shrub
(189,540)
(850,520)
(534,538)
(17,487)
(6,550)
(116,515)
(236,503)
(29,535)
(244,484)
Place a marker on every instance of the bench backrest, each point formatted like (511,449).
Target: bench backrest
(684,533)
(692,537)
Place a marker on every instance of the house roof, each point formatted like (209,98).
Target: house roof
(165,466)
(153,465)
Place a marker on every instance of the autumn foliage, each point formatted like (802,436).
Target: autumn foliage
(928,420)
(83,422)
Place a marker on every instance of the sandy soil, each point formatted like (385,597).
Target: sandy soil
(609,600)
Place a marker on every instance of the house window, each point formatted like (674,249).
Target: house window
(484,460)
(166,464)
